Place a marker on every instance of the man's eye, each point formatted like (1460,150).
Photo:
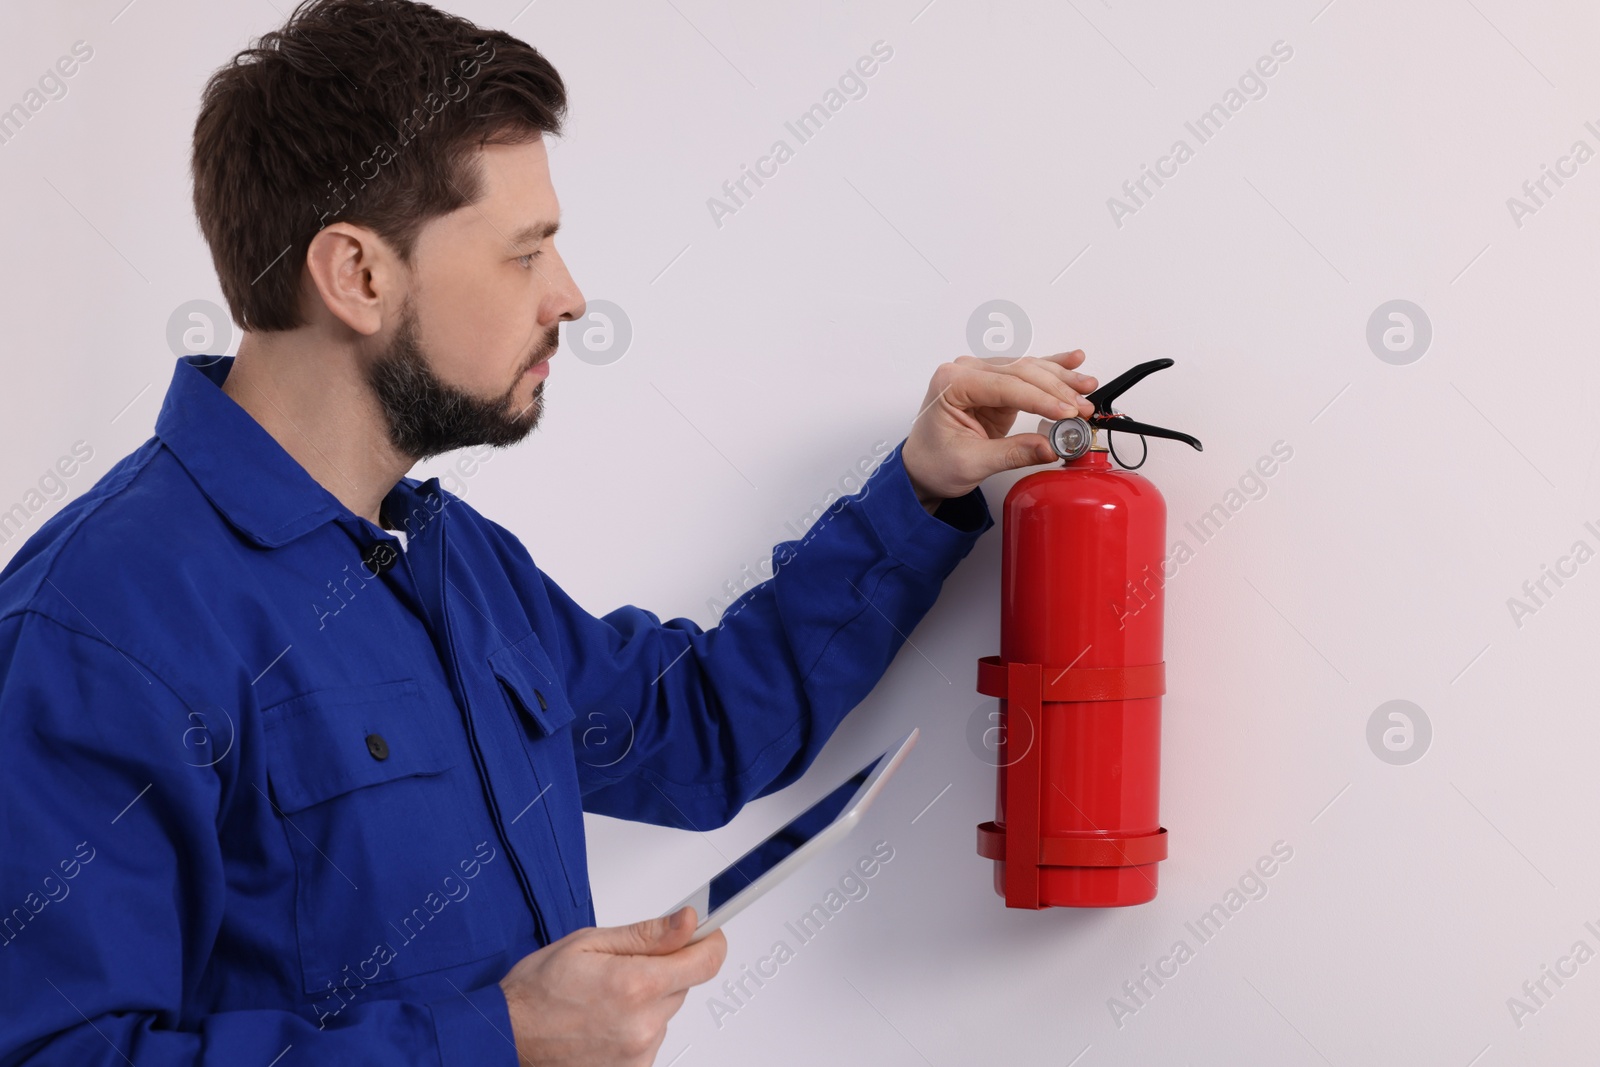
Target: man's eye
(527,260)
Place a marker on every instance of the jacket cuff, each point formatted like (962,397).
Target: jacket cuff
(475,1028)
(932,543)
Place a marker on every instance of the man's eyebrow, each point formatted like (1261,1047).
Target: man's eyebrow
(534,233)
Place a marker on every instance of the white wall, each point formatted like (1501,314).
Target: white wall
(1378,565)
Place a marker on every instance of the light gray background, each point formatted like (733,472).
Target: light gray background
(771,353)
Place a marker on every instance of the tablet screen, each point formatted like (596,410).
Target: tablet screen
(787,848)
(787,838)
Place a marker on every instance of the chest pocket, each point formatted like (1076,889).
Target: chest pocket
(370,787)
(536,697)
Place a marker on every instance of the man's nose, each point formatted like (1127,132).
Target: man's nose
(569,300)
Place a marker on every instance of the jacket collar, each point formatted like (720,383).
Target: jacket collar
(258,487)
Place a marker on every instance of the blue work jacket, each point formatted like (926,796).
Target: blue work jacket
(276,782)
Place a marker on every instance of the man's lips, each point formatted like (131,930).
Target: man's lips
(541,366)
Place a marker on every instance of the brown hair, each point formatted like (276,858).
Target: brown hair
(362,111)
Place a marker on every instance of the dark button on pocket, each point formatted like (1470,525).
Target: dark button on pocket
(525,671)
(377,746)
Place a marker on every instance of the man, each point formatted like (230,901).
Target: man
(294,749)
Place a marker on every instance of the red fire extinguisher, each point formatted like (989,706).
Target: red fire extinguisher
(1080,672)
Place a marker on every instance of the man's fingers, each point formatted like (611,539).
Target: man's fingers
(653,937)
(689,966)
(1051,377)
(1064,364)
(1070,360)
(703,959)
(1050,365)
(1020,387)
(1009,453)
(1061,364)
(643,937)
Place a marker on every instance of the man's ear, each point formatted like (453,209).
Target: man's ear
(357,276)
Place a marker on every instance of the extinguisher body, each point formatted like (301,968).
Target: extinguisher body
(1079,676)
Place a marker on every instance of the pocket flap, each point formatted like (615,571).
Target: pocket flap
(324,744)
(525,670)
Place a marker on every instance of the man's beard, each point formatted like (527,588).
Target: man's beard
(428,417)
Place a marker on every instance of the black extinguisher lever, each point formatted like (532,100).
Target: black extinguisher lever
(1107,419)
(1123,424)
(1102,397)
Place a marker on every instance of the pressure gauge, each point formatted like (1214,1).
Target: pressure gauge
(1070,437)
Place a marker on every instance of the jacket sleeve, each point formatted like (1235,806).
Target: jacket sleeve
(112,889)
(681,726)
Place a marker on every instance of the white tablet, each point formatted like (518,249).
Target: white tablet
(792,844)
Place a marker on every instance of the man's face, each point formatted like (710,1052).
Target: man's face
(467,360)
